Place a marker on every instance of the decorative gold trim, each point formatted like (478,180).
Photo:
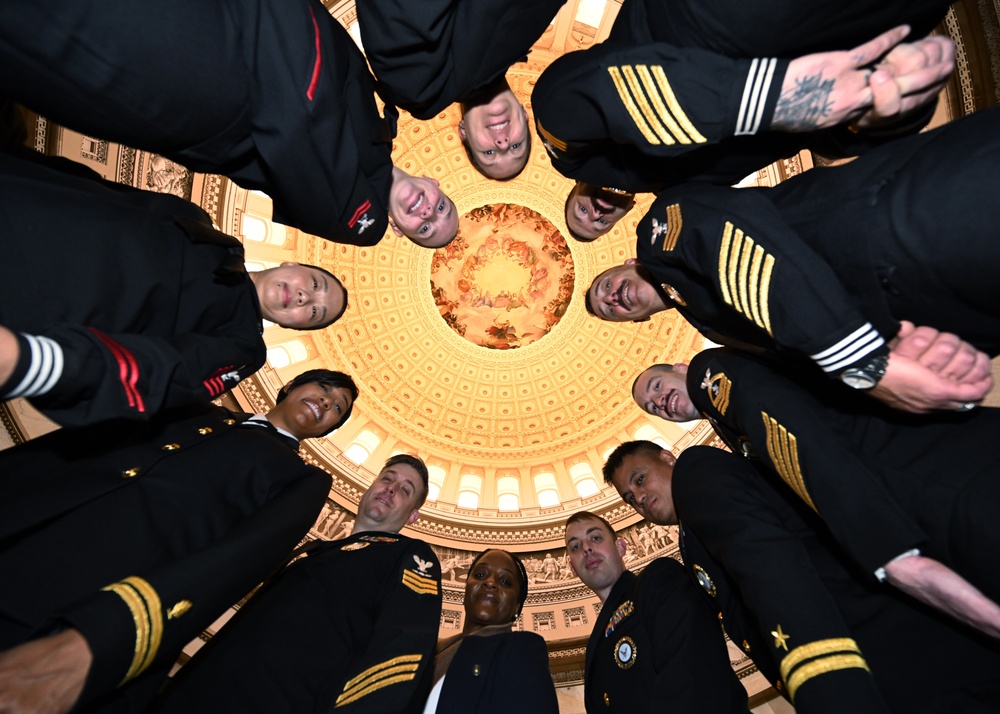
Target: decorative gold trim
(419,584)
(674,106)
(630,106)
(823,666)
(674,224)
(783,448)
(379,676)
(745,270)
(556,142)
(144,603)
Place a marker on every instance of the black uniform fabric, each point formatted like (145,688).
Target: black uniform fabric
(351,627)
(644,117)
(824,265)
(688,93)
(836,640)
(428,58)
(499,674)
(275,95)
(883,482)
(777,28)
(147,306)
(657,646)
(141,534)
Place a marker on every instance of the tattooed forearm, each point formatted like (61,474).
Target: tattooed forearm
(804,106)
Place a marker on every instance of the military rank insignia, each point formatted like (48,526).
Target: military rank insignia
(669,228)
(358,545)
(718,387)
(379,539)
(619,615)
(704,580)
(420,580)
(625,652)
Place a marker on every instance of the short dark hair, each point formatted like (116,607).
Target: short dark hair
(587,304)
(418,465)
(588,516)
(522,593)
(623,451)
(330,319)
(657,367)
(329,377)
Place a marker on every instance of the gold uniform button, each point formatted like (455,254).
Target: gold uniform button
(131,473)
(607,700)
(746,646)
(171,447)
(205,430)
(228,422)
(475,670)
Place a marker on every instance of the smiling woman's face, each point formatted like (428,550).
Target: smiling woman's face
(491,592)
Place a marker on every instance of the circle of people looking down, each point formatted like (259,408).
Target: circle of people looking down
(857,345)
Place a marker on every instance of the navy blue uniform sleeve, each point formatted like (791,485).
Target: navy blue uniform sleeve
(426,60)
(717,495)
(663,100)
(692,661)
(393,673)
(741,271)
(143,621)
(78,375)
(805,442)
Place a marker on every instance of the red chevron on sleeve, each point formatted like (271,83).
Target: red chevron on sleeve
(128,370)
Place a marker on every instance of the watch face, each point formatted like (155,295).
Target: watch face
(857,379)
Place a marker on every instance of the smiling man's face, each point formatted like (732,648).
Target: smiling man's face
(421,211)
(497,135)
(625,292)
(661,391)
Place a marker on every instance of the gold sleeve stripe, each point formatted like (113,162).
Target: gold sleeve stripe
(816,658)
(674,225)
(745,271)
(420,584)
(754,287)
(556,142)
(721,400)
(379,676)
(639,79)
(345,699)
(783,448)
(727,238)
(824,665)
(674,106)
(144,604)
(819,648)
(651,103)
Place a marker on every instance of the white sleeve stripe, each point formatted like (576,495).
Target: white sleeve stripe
(755,93)
(45,369)
(855,346)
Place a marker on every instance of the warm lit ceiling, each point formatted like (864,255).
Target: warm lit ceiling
(542,408)
(551,407)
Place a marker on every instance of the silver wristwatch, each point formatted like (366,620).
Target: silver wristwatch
(867,375)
